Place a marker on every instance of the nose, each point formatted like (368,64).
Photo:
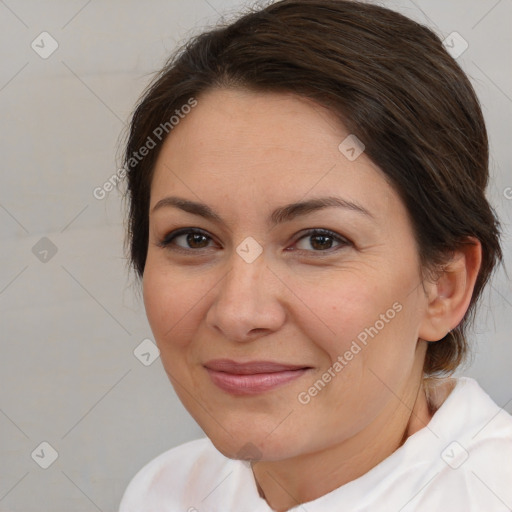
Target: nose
(247,305)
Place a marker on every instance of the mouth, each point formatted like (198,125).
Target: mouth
(253,377)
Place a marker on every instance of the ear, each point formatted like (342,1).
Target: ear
(449,296)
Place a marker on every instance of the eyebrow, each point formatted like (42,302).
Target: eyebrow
(282,214)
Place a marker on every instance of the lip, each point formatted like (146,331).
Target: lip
(253,377)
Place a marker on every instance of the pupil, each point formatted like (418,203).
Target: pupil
(324,244)
(194,239)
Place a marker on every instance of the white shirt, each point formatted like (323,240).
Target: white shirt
(460,462)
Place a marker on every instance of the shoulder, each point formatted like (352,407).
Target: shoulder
(168,479)
(474,452)
(469,412)
(474,426)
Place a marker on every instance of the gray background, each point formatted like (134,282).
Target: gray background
(70,321)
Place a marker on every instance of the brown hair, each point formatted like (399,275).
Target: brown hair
(389,80)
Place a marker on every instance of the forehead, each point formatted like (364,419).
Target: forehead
(240,145)
(239,123)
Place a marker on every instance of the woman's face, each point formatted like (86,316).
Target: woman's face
(274,334)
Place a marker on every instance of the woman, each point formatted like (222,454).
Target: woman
(309,221)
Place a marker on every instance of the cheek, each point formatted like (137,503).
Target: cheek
(362,317)
(169,300)
(340,309)
(154,293)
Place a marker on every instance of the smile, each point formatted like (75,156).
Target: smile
(253,377)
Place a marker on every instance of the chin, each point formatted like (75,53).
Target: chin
(247,444)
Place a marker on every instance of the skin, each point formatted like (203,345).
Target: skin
(300,302)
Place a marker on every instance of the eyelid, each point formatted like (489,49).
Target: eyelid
(343,241)
(166,242)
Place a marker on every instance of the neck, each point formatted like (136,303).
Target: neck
(288,483)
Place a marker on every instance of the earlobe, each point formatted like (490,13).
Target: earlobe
(450,295)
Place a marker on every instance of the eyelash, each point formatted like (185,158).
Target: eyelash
(166,242)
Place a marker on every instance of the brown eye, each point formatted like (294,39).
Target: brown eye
(189,239)
(196,240)
(321,240)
